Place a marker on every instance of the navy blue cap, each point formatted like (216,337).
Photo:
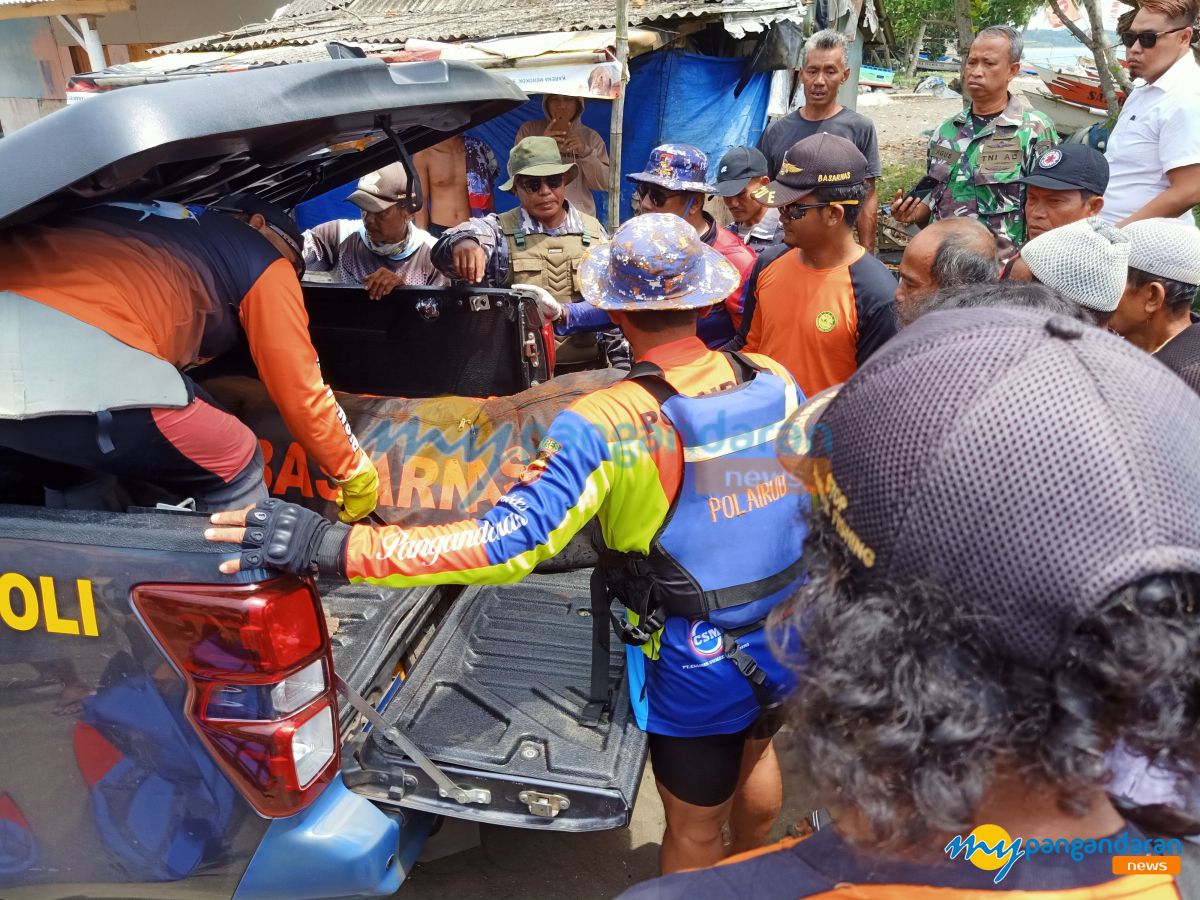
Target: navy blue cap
(1070,167)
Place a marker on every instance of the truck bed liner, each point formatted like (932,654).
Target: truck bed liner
(496,697)
(375,626)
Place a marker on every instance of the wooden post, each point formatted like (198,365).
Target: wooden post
(616,126)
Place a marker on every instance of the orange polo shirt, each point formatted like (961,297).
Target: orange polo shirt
(820,324)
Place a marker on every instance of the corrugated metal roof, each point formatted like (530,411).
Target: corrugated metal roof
(393,21)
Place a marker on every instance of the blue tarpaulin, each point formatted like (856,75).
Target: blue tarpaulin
(672,97)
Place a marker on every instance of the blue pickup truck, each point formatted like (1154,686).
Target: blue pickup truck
(169,732)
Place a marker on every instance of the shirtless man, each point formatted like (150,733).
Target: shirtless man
(458,175)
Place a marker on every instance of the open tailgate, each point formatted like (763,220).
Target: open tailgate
(495,701)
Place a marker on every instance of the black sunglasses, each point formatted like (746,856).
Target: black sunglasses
(656,195)
(794,211)
(531,184)
(1146,38)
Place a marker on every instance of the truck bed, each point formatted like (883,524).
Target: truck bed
(496,699)
(376,626)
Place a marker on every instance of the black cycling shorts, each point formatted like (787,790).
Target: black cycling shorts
(703,771)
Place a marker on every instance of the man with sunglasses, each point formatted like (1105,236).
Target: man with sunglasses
(538,244)
(151,290)
(819,304)
(674,182)
(1154,151)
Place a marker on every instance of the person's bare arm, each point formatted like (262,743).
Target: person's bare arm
(1181,196)
(868,218)
(421,164)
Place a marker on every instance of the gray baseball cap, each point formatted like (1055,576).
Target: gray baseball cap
(1030,463)
(382,189)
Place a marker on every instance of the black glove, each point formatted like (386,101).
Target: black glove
(285,536)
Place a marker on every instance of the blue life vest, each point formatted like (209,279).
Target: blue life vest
(729,548)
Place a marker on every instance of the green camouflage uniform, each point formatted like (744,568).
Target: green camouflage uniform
(977,174)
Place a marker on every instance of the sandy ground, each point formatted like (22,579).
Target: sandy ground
(900,123)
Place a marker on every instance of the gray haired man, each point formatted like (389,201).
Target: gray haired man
(1155,312)
(826,69)
(950,253)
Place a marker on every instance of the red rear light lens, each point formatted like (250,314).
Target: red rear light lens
(259,669)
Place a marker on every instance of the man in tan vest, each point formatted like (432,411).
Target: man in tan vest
(540,243)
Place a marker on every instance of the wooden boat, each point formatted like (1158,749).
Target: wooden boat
(1081,89)
(1067,117)
(875,77)
(944,64)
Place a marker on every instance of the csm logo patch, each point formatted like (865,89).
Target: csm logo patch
(705,640)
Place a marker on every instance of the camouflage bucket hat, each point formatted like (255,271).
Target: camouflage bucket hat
(535,156)
(656,261)
(676,167)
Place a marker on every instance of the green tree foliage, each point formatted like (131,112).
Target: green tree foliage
(938,17)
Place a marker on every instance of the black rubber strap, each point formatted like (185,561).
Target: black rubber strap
(743,369)
(749,668)
(651,377)
(737,594)
(598,691)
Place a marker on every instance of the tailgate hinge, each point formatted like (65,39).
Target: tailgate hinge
(446,787)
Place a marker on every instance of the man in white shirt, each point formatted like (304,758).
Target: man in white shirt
(1154,151)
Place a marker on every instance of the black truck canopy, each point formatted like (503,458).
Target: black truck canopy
(284,132)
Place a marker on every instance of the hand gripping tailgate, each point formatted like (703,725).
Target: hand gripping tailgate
(495,701)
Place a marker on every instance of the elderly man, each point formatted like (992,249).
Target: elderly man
(579,144)
(1155,312)
(1004,510)
(1154,150)
(819,303)
(539,243)
(741,172)
(826,68)
(1066,184)
(708,714)
(1086,261)
(949,253)
(382,251)
(977,157)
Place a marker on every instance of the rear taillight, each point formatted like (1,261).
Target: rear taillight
(259,669)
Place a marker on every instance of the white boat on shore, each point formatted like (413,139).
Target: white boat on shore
(1067,117)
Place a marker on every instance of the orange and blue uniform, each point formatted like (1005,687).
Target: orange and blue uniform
(613,456)
(179,288)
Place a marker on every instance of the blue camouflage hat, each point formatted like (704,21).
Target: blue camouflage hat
(656,261)
(677,167)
